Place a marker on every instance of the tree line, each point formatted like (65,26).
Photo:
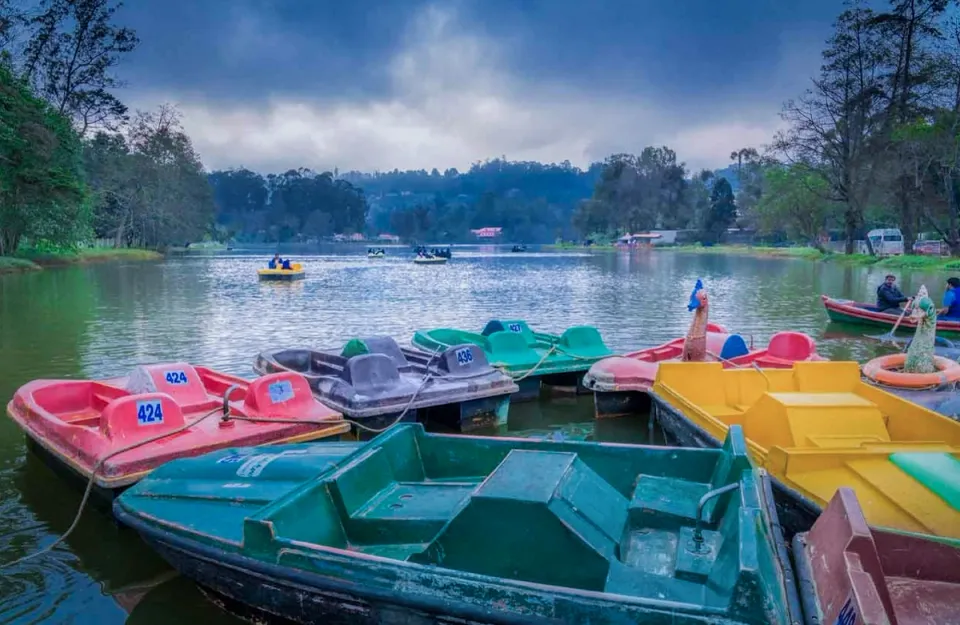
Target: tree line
(75,163)
(874,141)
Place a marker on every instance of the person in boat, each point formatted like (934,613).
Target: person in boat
(951,301)
(889,297)
(276,262)
(286,264)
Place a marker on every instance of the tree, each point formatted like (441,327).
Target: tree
(42,193)
(833,127)
(910,31)
(793,203)
(722,212)
(70,57)
(149,185)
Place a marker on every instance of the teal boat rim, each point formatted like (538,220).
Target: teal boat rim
(300,576)
(151,526)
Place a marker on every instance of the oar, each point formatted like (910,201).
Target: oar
(890,335)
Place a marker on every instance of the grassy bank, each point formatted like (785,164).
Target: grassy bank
(929,263)
(91,255)
(16,265)
(29,260)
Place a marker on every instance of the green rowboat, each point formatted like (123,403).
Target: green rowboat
(415,527)
(527,356)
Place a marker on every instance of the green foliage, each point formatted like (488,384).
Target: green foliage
(42,192)
(722,211)
(298,204)
(74,46)
(149,185)
(793,202)
(637,193)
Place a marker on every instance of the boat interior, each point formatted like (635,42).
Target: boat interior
(513,341)
(608,518)
(912,579)
(817,425)
(165,396)
(377,369)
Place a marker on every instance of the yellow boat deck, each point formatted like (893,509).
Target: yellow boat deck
(817,426)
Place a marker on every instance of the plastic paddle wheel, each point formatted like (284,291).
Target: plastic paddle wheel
(888,371)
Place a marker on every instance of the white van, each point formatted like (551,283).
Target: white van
(886,241)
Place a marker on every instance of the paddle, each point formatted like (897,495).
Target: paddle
(889,336)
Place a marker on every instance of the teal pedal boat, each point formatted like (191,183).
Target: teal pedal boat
(414,527)
(529,357)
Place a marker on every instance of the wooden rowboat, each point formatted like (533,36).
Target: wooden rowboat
(848,311)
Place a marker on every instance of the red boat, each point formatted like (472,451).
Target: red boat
(620,383)
(76,423)
(851,573)
(848,311)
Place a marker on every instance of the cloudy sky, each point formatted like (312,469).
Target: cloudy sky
(360,84)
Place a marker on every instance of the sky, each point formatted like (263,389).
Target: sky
(410,84)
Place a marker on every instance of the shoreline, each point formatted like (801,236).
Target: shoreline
(931,263)
(36,262)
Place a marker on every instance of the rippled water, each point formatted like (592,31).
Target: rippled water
(101,320)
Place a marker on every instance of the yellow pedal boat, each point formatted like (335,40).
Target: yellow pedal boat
(296,272)
(816,427)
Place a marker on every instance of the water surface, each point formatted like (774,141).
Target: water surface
(99,321)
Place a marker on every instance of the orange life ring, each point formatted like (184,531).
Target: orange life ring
(885,370)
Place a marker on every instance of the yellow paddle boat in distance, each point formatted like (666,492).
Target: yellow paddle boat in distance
(816,427)
(296,272)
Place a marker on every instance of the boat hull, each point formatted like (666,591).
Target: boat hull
(847,311)
(286,566)
(857,574)
(290,276)
(103,425)
(637,371)
(372,381)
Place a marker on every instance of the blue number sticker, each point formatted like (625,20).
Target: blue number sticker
(149,412)
(176,377)
(280,391)
(514,327)
(464,356)
(848,614)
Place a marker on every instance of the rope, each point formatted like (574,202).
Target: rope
(530,372)
(90,483)
(225,411)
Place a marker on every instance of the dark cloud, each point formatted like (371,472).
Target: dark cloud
(413,83)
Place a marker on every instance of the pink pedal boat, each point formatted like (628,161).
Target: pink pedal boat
(75,424)
(620,383)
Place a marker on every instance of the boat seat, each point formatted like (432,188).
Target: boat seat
(838,441)
(722,410)
(665,502)
(377,508)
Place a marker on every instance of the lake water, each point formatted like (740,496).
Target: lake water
(101,320)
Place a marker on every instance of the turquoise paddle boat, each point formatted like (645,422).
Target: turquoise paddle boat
(529,357)
(414,527)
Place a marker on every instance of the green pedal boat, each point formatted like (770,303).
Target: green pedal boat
(414,527)
(529,357)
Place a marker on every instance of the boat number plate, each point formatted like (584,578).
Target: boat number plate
(280,391)
(514,327)
(176,377)
(149,412)
(848,614)
(464,356)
